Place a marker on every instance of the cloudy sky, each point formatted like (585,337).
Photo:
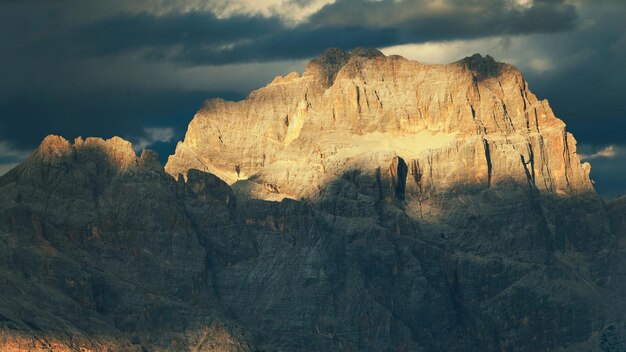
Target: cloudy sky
(140,69)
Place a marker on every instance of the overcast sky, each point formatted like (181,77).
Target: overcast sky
(140,69)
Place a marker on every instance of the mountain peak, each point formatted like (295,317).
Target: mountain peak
(53,145)
(482,66)
(115,151)
(333,59)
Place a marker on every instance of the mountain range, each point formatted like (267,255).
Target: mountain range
(371,203)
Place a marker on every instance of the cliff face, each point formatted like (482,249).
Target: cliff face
(371,204)
(473,122)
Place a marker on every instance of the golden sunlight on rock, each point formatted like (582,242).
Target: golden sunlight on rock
(474,121)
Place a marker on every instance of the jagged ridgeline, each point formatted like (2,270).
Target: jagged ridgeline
(372,203)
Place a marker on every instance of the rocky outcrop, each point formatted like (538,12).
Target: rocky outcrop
(370,204)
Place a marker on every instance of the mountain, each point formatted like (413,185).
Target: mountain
(372,203)
(359,110)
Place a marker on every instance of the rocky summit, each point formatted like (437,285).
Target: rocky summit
(371,203)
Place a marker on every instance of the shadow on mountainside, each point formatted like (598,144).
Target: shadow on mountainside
(108,257)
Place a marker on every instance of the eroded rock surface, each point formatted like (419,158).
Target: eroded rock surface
(473,122)
(371,204)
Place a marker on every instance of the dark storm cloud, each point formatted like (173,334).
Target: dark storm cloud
(450,19)
(202,38)
(116,35)
(293,44)
(28,118)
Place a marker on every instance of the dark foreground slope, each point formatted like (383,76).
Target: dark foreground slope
(101,249)
(104,250)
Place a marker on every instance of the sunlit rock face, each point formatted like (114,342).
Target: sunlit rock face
(472,122)
(370,204)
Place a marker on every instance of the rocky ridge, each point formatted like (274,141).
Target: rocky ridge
(370,204)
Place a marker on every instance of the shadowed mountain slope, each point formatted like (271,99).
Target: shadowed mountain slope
(371,204)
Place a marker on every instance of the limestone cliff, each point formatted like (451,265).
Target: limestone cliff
(472,122)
